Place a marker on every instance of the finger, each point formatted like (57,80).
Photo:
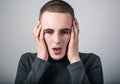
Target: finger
(41,35)
(37,33)
(72,32)
(73,29)
(36,26)
(76,28)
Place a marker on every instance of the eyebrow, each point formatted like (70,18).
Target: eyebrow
(48,29)
(64,29)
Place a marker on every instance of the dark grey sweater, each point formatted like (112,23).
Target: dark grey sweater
(32,70)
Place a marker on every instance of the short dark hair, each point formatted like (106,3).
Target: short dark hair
(58,6)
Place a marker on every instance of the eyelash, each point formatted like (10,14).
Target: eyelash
(65,32)
(61,32)
(49,32)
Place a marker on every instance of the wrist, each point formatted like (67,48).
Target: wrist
(45,58)
(74,59)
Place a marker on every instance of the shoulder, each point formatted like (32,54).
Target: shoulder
(26,61)
(90,60)
(28,58)
(89,56)
(28,55)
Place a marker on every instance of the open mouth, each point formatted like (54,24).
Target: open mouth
(57,50)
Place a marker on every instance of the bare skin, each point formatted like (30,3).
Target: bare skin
(72,53)
(42,52)
(72,48)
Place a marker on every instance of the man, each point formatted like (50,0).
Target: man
(58,60)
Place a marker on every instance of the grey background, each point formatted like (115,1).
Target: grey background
(99,22)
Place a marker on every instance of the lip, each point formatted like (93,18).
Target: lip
(57,50)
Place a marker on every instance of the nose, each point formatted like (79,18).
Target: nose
(57,38)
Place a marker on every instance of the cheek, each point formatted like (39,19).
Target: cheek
(66,39)
(46,37)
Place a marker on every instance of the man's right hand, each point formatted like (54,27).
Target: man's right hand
(38,34)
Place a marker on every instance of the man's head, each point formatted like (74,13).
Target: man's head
(57,6)
(56,18)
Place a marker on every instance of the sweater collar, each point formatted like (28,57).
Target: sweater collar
(63,60)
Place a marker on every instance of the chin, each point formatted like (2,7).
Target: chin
(57,57)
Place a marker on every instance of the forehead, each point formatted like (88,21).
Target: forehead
(56,20)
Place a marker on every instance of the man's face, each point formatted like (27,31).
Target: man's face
(57,31)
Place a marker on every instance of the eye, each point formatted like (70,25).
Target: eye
(65,31)
(48,31)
